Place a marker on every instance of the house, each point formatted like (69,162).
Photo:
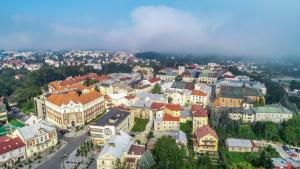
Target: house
(120,147)
(200,116)
(106,89)
(112,122)
(246,115)
(116,148)
(153,81)
(199,97)
(12,150)
(205,141)
(38,136)
(172,109)
(274,112)
(165,122)
(141,106)
(240,145)
(73,108)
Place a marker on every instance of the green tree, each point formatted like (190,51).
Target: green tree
(120,165)
(294,85)
(204,162)
(89,82)
(290,131)
(156,89)
(147,160)
(168,154)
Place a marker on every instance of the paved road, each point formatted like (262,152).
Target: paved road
(56,161)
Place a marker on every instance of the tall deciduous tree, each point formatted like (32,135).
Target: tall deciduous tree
(147,160)
(168,154)
(156,89)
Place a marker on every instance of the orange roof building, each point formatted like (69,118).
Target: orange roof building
(73,108)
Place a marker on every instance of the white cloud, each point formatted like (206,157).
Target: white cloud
(162,28)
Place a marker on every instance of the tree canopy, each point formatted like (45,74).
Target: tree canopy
(168,154)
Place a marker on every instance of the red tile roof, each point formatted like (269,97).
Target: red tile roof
(7,145)
(103,78)
(198,93)
(154,79)
(199,111)
(173,107)
(168,117)
(66,97)
(130,97)
(205,130)
(136,150)
(157,106)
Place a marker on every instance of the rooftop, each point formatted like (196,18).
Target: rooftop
(8,144)
(233,142)
(112,118)
(272,108)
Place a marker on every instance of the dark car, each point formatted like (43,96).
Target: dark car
(285,148)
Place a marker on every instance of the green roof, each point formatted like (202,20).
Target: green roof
(272,108)
(239,92)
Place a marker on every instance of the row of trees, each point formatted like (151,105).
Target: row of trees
(288,131)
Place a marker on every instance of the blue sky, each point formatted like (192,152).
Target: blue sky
(268,28)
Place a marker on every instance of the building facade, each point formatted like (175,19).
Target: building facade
(38,136)
(70,109)
(110,124)
(12,150)
(205,141)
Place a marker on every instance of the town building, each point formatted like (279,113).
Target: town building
(233,96)
(112,122)
(120,147)
(40,106)
(240,145)
(200,117)
(38,136)
(199,97)
(165,122)
(274,112)
(12,150)
(205,141)
(73,108)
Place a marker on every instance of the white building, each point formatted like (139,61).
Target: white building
(38,135)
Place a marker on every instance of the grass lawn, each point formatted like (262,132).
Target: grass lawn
(16,123)
(140,125)
(27,111)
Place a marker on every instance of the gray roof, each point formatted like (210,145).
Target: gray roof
(272,108)
(121,143)
(32,131)
(112,118)
(232,142)
(145,99)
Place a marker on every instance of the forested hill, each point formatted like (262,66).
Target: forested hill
(165,58)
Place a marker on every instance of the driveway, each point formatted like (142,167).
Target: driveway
(56,161)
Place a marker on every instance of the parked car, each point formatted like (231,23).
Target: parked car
(285,148)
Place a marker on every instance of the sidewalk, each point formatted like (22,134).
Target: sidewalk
(74,160)
(44,156)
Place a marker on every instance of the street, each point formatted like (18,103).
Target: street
(56,161)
